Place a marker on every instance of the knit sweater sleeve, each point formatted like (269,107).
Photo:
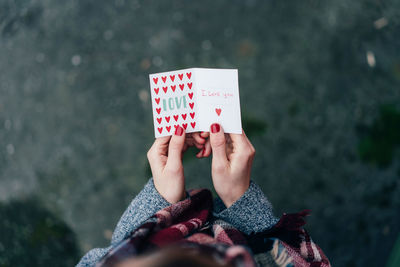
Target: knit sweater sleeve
(144,205)
(252,212)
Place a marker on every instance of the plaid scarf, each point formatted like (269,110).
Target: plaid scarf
(190,224)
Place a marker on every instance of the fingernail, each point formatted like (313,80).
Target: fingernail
(215,128)
(179,131)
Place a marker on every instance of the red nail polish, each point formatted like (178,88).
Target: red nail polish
(203,151)
(179,131)
(215,128)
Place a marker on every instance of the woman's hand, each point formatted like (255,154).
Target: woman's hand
(232,158)
(165,158)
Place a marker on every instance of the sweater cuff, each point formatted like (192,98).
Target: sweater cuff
(252,212)
(144,205)
(152,195)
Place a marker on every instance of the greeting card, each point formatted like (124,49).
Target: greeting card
(194,99)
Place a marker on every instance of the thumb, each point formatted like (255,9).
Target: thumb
(175,148)
(218,144)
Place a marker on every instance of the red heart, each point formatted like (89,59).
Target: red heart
(190,95)
(173,87)
(182,86)
(192,115)
(176,117)
(158,110)
(167,118)
(156,90)
(155,80)
(184,125)
(157,100)
(191,105)
(172,77)
(176,126)
(189,75)
(160,129)
(165,89)
(218,110)
(168,128)
(164,78)
(180,76)
(193,124)
(190,85)
(159,120)
(184,116)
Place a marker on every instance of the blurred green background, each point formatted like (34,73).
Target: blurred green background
(320,98)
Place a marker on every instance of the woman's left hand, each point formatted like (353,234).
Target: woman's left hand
(165,158)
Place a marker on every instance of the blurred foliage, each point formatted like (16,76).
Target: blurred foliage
(381,140)
(30,235)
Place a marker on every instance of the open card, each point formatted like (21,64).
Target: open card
(194,99)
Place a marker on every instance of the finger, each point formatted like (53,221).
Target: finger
(175,148)
(217,140)
(157,151)
(229,146)
(159,148)
(197,137)
(200,153)
(242,145)
(198,146)
(161,140)
(189,141)
(207,149)
(205,134)
(192,142)
(240,140)
(248,140)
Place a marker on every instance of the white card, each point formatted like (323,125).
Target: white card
(194,99)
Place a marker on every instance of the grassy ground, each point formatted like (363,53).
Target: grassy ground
(319,86)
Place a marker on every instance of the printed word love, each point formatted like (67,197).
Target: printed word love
(172,103)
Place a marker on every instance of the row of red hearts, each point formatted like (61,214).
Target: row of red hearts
(176,117)
(191,105)
(172,77)
(184,125)
(173,88)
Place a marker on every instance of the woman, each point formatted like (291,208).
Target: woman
(165,225)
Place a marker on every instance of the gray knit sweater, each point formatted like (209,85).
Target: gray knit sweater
(252,212)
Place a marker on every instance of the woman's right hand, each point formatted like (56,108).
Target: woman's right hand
(165,158)
(232,158)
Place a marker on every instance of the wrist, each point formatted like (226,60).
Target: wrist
(233,194)
(172,197)
(175,197)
